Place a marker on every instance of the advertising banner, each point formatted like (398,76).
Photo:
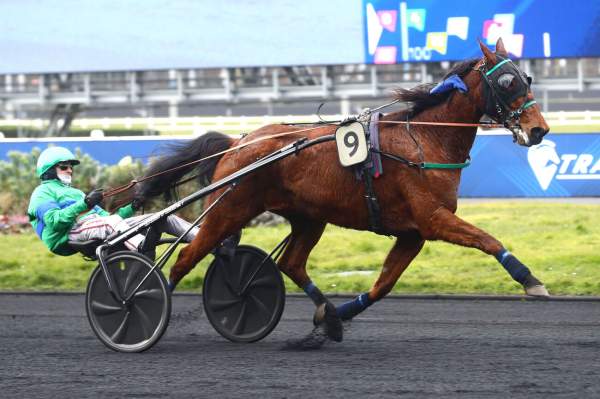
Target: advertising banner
(435,30)
(563,165)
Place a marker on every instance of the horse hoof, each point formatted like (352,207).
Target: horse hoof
(537,290)
(319,316)
(326,316)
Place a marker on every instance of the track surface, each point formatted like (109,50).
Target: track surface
(399,347)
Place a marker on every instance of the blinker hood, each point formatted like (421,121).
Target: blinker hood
(499,98)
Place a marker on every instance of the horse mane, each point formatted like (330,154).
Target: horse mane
(419,97)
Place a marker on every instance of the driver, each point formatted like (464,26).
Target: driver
(60,213)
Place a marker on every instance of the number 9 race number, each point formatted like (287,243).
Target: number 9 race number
(351,144)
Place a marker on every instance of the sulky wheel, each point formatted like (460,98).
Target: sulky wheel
(241,305)
(138,324)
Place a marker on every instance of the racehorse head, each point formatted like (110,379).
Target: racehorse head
(507,96)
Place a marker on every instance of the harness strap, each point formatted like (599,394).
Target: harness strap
(372,202)
(371,168)
(432,165)
(498,65)
(426,165)
(377,167)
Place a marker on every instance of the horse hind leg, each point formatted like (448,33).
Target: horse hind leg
(223,222)
(405,249)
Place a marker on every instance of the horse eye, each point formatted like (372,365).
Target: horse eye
(505,80)
(529,80)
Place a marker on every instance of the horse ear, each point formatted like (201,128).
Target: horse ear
(500,48)
(487,53)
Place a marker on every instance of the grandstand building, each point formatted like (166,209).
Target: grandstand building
(290,81)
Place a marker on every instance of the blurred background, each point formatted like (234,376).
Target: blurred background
(114,81)
(86,74)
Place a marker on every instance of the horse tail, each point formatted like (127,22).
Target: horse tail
(178,159)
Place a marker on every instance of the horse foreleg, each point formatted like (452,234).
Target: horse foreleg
(446,226)
(305,235)
(403,252)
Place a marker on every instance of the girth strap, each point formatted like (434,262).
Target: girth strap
(373,136)
(369,169)
(372,203)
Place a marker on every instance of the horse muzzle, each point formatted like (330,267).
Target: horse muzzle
(527,139)
(537,134)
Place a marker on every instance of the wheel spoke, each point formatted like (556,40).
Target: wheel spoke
(155,294)
(120,332)
(144,320)
(102,309)
(117,273)
(244,260)
(226,280)
(131,275)
(241,320)
(262,308)
(221,304)
(264,281)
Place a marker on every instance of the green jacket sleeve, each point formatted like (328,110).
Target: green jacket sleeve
(125,211)
(61,220)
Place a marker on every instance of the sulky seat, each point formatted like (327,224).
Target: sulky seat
(87,248)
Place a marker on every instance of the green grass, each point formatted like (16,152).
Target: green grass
(589,128)
(559,242)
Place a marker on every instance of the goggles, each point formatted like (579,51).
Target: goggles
(65,166)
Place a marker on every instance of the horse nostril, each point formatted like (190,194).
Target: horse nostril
(538,132)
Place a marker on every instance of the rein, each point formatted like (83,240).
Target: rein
(424,165)
(449,124)
(366,113)
(132,183)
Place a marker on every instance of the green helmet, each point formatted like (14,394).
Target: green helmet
(53,155)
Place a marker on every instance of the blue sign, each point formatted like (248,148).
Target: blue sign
(107,151)
(398,31)
(563,165)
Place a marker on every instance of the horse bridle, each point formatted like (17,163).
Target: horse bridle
(498,95)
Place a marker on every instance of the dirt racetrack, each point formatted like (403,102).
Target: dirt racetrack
(401,347)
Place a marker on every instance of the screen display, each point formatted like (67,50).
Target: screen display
(42,36)
(437,30)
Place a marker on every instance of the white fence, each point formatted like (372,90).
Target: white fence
(559,121)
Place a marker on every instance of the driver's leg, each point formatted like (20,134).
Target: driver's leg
(100,227)
(176,226)
(173,225)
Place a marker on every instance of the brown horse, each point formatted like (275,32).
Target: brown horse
(311,189)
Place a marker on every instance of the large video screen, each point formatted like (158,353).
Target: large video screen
(438,30)
(44,36)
